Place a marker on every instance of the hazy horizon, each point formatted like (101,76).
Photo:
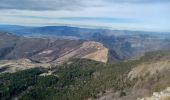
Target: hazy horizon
(138,15)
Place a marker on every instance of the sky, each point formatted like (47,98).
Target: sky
(147,15)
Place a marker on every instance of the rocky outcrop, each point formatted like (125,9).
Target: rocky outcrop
(163,95)
(151,74)
(89,50)
(149,68)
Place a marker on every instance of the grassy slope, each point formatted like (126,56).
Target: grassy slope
(153,72)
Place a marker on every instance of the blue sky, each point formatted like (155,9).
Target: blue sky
(147,15)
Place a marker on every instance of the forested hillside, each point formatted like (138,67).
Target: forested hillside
(81,79)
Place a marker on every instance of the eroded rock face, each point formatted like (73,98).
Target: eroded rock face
(89,50)
(100,54)
(153,64)
(152,74)
(149,68)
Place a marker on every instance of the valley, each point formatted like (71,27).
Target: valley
(100,67)
(84,50)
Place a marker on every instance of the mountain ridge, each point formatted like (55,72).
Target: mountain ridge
(46,50)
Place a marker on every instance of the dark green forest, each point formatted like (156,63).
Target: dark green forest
(77,80)
(80,79)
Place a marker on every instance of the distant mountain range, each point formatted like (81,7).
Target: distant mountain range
(73,32)
(121,44)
